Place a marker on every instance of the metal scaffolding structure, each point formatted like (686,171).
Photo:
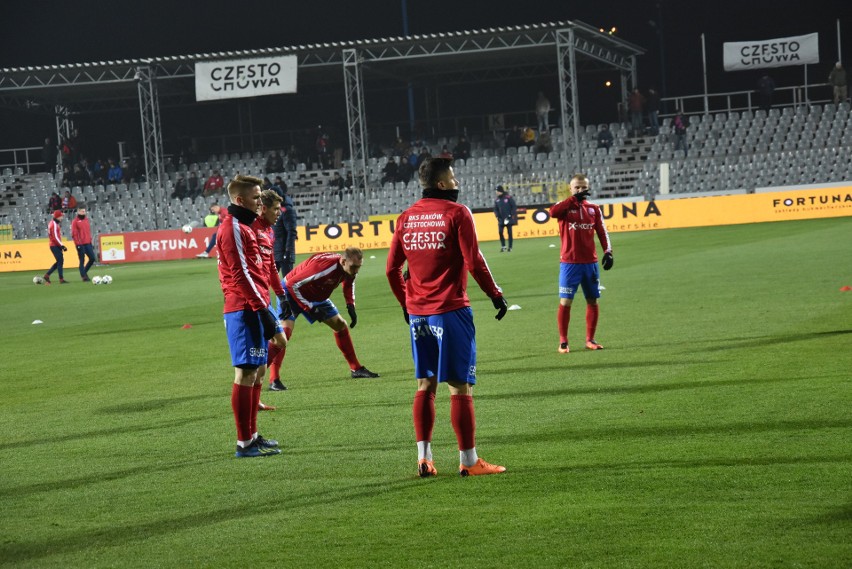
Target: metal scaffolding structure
(354,88)
(152,138)
(64,128)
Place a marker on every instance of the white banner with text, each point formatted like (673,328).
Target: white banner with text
(779,52)
(237,78)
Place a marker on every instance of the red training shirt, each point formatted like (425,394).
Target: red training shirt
(81,231)
(438,239)
(314,279)
(242,274)
(54,233)
(578,224)
(265,238)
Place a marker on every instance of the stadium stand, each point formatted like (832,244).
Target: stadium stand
(728,152)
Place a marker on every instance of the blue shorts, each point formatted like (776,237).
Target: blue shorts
(245,339)
(444,346)
(586,275)
(322,311)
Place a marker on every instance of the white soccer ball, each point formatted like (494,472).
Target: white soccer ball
(97,280)
(106,279)
(186,228)
(38,280)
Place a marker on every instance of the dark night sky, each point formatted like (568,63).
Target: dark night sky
(36,32)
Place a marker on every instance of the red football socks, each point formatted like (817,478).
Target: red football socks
(255,407)
(276,360)
(242,399)
(592,311)
(344,342)
(563,316)
(423,412)
(463,420)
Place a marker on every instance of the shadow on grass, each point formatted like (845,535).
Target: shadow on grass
(665,431)
(88,435)
(100,477)
(709,462)
(99,538)
(643,388)
(152,404)
(722,344)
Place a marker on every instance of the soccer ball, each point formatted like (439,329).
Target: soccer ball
(106,279)
(38,280)
(97,280)
(186,229)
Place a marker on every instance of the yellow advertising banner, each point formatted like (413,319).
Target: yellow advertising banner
(624,216)
(27,255)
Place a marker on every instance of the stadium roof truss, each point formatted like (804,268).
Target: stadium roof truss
(451,58)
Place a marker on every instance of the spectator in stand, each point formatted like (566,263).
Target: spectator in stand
(766,90)
(680,124)
(115,174)
(267,184)
(274,163)
(399,146)
(445,153)
(542,110)
(604,137)
(323,148)
(80,176)
(424,154)
(293,158)
(68,201)
(54,235)
(406,170)
(66,152)
(66,177)
(48,156)
(81,234)
(462,150)
(636,106)
(544,144)
(193,185)
(214,184)
(390,171)
(54,203)
(528,137)
(515,137)
(181,189)
(336,185)
(99,172)
(837,79)
(349,182)
(652,107)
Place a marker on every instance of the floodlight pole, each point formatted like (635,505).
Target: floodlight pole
(152,140)
(356,119)
(572,162)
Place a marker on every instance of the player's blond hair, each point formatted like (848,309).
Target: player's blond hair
(353,254)
(579,176)
(241,185)
(270,198)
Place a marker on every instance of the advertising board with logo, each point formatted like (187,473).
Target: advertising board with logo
(27,255)
(164,245)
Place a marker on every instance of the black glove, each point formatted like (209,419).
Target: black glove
(64,248)
(581,196)
(353,318)
(268,322)
(501,305)
(607,261)
(405,315)
(405,275)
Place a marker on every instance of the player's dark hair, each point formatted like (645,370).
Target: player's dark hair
(432,170)
(270,198)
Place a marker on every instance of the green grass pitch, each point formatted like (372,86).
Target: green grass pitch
(713,431)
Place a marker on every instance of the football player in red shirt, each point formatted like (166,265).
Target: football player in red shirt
(307,289)
(437,237)
(54,236)
(248,321)
(579,221)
